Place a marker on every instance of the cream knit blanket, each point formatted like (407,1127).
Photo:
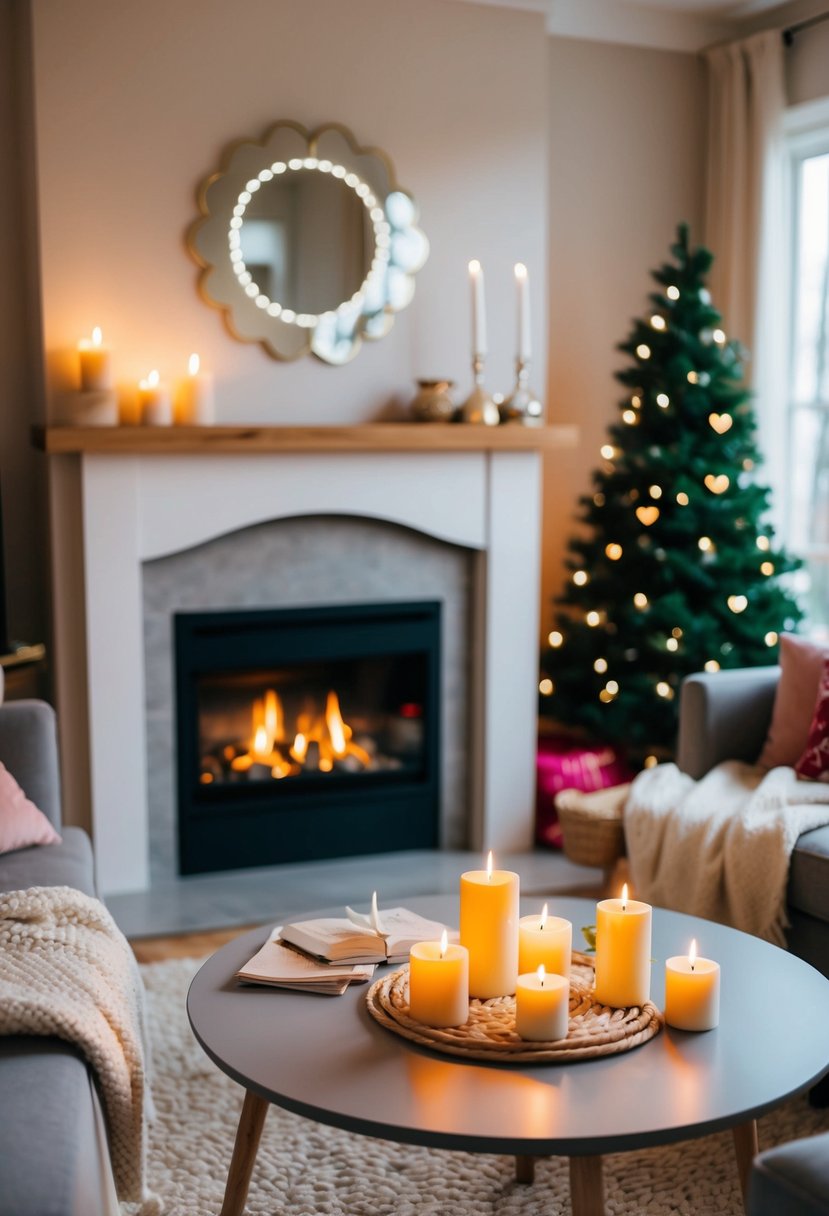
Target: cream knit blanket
(719,848)
(67,970)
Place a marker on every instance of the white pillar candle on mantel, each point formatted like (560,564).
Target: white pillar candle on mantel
(522,284)
(692,991)
(439,983)
(623,951)
(476,279)
(545,940)
(195,398)
(154,405)
(489,930)
(542,1006)
(95,363)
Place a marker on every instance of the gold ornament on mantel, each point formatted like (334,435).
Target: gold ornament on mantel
(479,408)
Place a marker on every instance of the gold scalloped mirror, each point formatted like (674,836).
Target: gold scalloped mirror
(306,242)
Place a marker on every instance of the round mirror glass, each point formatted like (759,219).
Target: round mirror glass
(306,243)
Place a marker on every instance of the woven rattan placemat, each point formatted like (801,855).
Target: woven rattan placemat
(595,1030)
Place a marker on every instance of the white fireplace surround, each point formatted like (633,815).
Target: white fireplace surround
(112,512)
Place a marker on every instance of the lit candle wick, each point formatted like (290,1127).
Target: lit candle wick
(444,943)
(489,866)
(692,954)
(625,898)
(541,973)
(543,920)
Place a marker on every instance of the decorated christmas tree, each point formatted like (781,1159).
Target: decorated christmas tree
(675,570)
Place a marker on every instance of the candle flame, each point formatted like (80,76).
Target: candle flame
(692,953)
(542,974)
(489,865)
(520,270)
(543,920)
(444,943)
(153,378)
(624,897)
(97,336)
(193,365)
(474,267)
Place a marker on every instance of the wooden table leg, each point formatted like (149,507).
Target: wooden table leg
(248,1133)
(586,1186)
(525,1169)
(746,1148)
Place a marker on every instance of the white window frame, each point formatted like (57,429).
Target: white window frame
(806,133)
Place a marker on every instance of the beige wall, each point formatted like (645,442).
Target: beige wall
(136,102)
(626,147)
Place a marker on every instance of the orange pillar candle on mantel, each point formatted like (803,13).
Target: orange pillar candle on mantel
(542,1006)
(546,940)
(623,951)
(489,930)
(194,398)
(95,363)
(154,405)
(692,991)
(439,983)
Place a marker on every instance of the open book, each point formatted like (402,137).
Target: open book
(278,966)
(360,939)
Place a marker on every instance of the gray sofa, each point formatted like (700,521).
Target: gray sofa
(54,1159)
(725,716)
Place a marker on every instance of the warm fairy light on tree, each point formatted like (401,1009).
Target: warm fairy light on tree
(673,532)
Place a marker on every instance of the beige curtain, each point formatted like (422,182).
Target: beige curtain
(745,218)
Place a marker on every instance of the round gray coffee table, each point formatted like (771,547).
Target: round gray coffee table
(327,1059)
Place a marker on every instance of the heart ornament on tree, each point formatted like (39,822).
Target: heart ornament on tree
(647,515)
(717,485)
(721,422)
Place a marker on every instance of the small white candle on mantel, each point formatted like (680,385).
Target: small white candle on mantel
(692,991)
(476,279)
(195,399)
(154,405)
(522,284)
(95,363)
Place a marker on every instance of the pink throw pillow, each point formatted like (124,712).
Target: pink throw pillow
(801,669)
(21,823)
(814,762)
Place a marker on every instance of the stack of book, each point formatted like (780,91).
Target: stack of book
(328,954)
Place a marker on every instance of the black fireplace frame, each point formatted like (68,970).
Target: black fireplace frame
(276,822)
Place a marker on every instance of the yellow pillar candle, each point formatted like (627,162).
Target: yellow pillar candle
(692,991)
(489,930)
(194,399)
(623,951)
(95,363)
(542,1006)
(439,983)
(545,940)
(154,405)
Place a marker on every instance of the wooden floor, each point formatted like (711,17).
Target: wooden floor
(183,945)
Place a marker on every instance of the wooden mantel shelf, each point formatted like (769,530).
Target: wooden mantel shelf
(370,437)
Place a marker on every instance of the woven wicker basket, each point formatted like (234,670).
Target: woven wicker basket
(591,825)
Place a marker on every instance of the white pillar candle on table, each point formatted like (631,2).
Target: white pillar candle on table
(154,405)
(522,284)
(476,279)
(545,940)
(692,991)
(439,983)
(95,363)
(623,951)
(542,1006)
(194,398)
(489,930)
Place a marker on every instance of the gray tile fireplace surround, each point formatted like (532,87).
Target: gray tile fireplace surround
(295,562)
(247,897)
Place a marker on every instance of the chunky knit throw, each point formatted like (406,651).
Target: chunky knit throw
(719,848)
(67,970)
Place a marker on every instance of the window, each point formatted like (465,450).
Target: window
(806,492)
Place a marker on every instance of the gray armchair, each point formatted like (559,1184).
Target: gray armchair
(725,716)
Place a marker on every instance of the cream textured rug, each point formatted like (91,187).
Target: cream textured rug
(304,1169)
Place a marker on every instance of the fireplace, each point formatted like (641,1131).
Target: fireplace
(306,732)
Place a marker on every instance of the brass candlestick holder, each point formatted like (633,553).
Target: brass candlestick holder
(522,405)
(479,408)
